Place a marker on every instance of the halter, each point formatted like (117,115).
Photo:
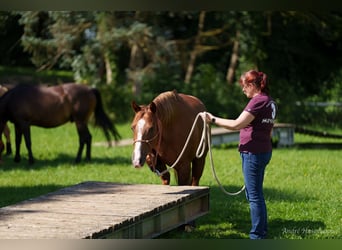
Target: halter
(148,142)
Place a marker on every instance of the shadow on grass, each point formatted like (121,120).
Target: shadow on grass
(61,159)
(318,146)
(12,195)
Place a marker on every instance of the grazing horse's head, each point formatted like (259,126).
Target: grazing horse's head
(146,133)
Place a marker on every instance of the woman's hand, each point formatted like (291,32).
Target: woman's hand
(208,117)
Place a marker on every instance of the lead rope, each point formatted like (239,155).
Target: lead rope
(206,137)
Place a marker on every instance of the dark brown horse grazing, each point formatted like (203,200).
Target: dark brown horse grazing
(160,132)
(53,106)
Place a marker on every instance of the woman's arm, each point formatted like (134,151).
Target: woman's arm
(242,121)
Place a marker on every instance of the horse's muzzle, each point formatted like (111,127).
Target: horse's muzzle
(139,155)
(138,162)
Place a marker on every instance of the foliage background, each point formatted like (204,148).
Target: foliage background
(138,54)
(135,55)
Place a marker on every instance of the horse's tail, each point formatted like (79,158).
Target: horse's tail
(102,120)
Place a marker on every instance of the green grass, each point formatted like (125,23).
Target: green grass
(302,186)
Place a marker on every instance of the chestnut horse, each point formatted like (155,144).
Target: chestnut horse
(52,106)
(160,132)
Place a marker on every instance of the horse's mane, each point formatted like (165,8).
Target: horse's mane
(165,105)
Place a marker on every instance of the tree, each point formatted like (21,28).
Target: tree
(10,40)
(52,37)
(300,51)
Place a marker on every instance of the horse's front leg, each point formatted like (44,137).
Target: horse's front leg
(183,170)
(197,170)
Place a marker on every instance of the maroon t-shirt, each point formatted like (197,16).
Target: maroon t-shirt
(256,137)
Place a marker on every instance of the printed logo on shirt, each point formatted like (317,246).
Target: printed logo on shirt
(265,120)
(274,112)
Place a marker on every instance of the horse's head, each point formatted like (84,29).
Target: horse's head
(146,132)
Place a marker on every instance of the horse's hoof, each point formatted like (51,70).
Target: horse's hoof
(17,160)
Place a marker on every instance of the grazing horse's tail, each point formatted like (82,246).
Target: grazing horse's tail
(102,120)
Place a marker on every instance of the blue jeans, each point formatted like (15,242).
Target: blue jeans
(253,167)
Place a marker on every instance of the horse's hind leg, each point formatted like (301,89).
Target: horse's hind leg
(28,143)
(20,130)
(84,139)
(79,152)
(18,138)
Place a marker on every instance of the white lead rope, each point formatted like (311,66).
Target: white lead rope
(205,138)
(201,147)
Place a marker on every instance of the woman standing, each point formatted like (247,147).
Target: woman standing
(255,124)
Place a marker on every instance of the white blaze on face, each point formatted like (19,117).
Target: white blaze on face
(137,145)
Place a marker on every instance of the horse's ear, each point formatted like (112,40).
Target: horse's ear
(135,106)
(153,107)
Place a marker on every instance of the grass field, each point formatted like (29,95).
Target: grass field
(302,186)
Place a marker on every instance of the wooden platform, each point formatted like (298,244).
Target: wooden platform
(104,210)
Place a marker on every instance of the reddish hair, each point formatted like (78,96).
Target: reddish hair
(258,78)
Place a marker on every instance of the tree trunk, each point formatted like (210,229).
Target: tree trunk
(109,72)
(233,59)
(195,51)
(135,67)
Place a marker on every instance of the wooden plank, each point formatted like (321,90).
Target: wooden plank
(104,210)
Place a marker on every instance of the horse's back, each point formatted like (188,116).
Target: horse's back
(173,104)
(189,108)
(185,108)
(82,98)
(37,105)
(194,104)
(49,106)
